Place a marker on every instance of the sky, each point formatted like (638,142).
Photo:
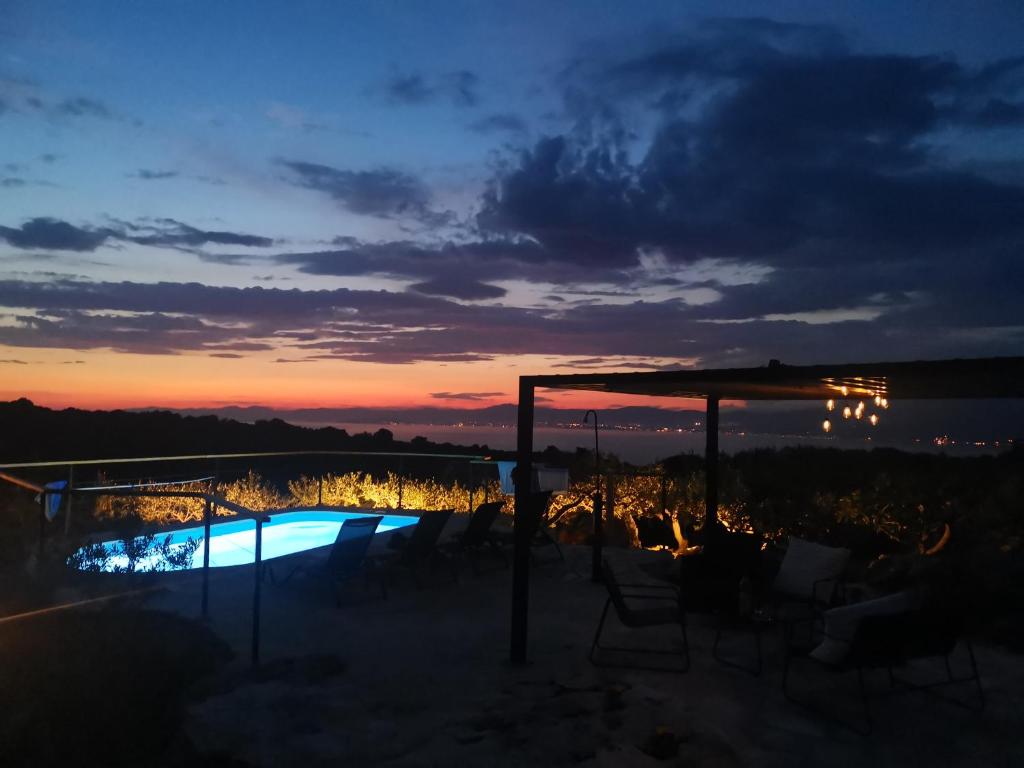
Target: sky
(328,204)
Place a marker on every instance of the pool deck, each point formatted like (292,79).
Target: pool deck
(427,683)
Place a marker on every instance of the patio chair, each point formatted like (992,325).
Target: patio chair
(541,534)
(887,632)
(661,607)
(808,582)
(347,558)
(419,551)
(722,581)
(477,536)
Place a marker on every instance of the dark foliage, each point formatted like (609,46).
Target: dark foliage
(99,687)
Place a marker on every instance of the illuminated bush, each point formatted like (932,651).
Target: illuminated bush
(363,491)
(160,510)
(250,492)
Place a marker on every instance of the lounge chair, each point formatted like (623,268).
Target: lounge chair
(661,607)
(419,551)
(809,581)
(540,533)
(477,536)
(347,558)
(888,633)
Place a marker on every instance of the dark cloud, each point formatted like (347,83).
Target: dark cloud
(409,89)
(770,139)
(54,234)
(150,175)
(470,290)
(395,328)
(502,122)
(467,396)
(83,107)
(172,233)
(12,182)
(460,88)
(452,264)
(380,192)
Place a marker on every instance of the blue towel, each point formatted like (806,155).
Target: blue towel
(505,474)
(53,499)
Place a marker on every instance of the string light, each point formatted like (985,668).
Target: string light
(857,411)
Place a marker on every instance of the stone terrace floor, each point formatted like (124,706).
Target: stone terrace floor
(426,683)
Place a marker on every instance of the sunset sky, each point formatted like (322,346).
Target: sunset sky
(401,203)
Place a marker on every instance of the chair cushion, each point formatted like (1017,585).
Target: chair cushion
(806,563)
(841,623)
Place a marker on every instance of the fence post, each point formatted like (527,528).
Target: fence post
(256,593)
(206,558)
(320,492)
(67,513)
(42,521)
(595,548)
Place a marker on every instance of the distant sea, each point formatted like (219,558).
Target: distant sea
(636,446)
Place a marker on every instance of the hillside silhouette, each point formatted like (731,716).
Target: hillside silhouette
(34,433)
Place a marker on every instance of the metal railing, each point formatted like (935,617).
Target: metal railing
(211,503)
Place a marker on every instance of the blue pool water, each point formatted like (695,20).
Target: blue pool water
(234,542)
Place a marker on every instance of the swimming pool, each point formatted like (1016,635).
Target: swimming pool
(234,542)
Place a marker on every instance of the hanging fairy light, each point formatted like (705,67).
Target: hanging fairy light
(855,411)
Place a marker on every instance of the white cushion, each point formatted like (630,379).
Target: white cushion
(806,563)
(841,623)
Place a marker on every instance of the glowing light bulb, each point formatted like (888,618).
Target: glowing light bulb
(873,419)
(830,405)
(826,425)
(847,413)
(878,400)
(858,413)
(885,403)
(845,390)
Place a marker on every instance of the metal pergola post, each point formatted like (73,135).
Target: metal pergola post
(711,466)
(522,524)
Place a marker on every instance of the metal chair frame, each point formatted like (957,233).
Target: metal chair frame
(617,597)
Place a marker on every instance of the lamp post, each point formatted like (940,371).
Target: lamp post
(598,516)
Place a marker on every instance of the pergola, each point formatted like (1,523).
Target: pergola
(1001,377)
